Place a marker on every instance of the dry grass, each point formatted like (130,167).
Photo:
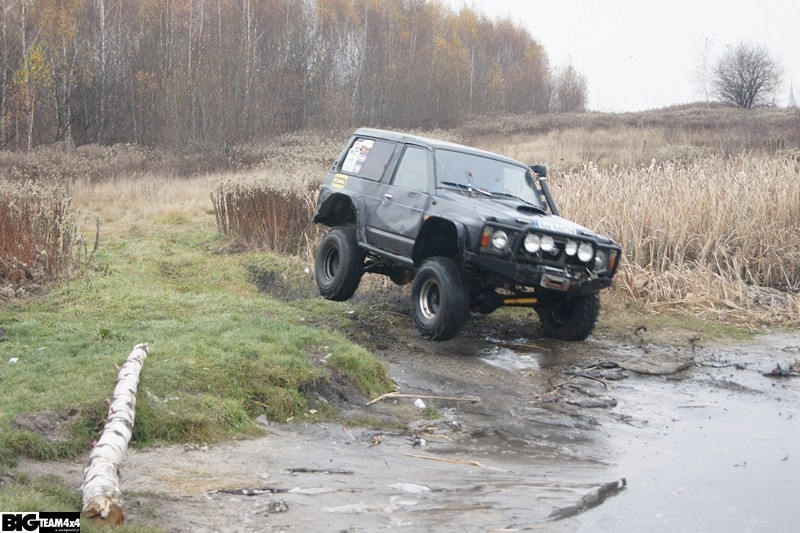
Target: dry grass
(124,204)
(718,234)
(705,201)
(37,236)
(575,147)
(255,213)
(690,132)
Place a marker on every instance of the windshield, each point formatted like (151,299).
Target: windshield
(490,177)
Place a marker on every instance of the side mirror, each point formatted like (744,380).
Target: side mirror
(539,170)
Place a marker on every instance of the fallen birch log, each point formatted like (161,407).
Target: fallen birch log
(102,497)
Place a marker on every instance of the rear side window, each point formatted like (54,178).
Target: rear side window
(368,158)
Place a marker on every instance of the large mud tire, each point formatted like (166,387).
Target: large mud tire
(339,265)
(571,319)
(439,299)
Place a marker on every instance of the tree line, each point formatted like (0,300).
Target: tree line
(200,74)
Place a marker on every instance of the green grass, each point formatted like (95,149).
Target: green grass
(48,493)
(221,352)
(431,413)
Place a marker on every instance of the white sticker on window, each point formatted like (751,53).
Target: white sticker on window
(357,155)
(352,158)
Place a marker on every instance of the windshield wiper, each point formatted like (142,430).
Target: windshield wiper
(482,191)
(508,195)
(467,187)
(460,186)
(474,188)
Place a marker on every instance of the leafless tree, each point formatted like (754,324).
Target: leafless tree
(746,76)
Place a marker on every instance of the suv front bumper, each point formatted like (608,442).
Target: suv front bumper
(538,276)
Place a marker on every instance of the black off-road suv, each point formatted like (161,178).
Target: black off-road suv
(473,230)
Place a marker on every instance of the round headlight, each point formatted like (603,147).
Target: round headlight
(585,252)
(499,239)
(532,243)
(548,243)
(600,260)
(571,248)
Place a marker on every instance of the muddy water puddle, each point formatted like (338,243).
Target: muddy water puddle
(715,447)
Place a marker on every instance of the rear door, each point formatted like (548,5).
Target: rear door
(363,172)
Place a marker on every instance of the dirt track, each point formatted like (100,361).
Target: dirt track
(558,428)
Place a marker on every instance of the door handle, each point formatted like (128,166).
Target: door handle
(387,196)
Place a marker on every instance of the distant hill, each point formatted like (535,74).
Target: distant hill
(724,129)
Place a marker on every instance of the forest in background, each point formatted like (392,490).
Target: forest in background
(193,75)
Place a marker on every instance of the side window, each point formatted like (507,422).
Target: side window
(412,172)
(368,158)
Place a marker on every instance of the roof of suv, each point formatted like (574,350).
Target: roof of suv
(431,143)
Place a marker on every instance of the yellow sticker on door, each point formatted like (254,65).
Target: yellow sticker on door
(339,181)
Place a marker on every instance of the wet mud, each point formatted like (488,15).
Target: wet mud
(619,433)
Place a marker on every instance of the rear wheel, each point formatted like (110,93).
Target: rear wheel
(571,319)
(339,265)
(439,299)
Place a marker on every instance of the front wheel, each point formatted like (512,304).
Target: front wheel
(339,265)
(439,299)
(571,319)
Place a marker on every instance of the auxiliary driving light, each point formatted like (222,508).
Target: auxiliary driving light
(571,248)
(532,243)
(585,252)
(548,244)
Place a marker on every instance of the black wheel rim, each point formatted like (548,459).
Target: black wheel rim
(330,263)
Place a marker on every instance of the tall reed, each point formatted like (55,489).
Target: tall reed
(256,213)
(37,233)
(720,232)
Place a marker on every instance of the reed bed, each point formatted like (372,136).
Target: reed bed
(37,235)
(272,205)
(259,214)
(721,234)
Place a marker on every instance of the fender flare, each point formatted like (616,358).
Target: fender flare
(420,253)
(324,216)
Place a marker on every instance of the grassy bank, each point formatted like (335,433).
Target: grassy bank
(222,352)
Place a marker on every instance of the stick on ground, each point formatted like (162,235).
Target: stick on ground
(471,399)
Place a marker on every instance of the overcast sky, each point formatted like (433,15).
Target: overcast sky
(640,54)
